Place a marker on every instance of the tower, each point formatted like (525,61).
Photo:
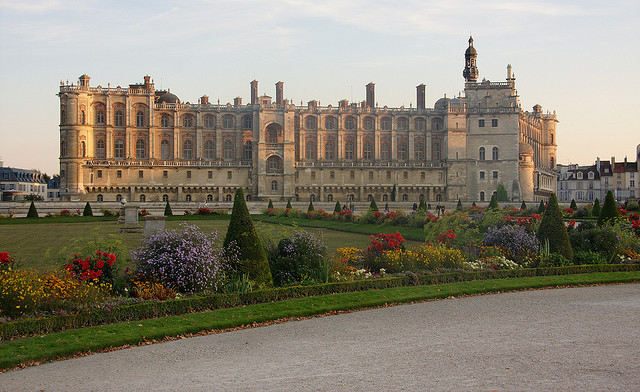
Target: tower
(470,72)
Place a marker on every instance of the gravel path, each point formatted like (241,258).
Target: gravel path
(576,339)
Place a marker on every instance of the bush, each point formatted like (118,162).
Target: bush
(588,257)
(520,245)
(609,212)
(373,206)
(493,204)
(97,267)
(601,239)
(289,204)
(21,292)
(423,258)
(87,210)
(595,211)
(270,205)
(523,206)
(311,208)
(337,207)
(541,207)
(185,259)
(573,205)
(345,262)
(501,193)
(33,213)
(167,210)
(465,230)
(422,206)
(459,205)
(552,229)
(251,256)
(297,259)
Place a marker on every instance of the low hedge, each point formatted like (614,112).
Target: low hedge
(44,325)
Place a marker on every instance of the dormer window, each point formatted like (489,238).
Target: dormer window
(590,175)
(579,176)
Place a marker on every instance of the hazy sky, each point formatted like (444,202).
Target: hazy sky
(578,58)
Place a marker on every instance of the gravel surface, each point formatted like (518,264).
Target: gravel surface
(575,339)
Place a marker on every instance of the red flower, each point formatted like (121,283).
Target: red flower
(100,264)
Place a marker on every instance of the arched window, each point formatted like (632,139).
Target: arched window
(310,122)
(329,197)
(481,195)
(209,198)
(187,198)
(494,153)
(385,151)
(310,153)
(228,198)
(420,124)
(83,149)
(330,123)
(385,123)
(63,149)
(118,149)
(369,198)
(348,150)
(165,121)
(272,136)
(100,149)
(100,198)
(402,151)
(312,197)
(421,197)
(328,150)
(208,149)
(552,162)
(436,124)
(367,150)
(208,121)
(481,154)
(164,150)
(438,197)
(99,117)
(143,198)
(118,197)
(436,151)
(187,149)
(385,197)
(140,119)
(228,149)
(405,197)
(83,118)
(351,197)
(419,151)
(63,116)
(248,150)
(274,164)
(247,122)
(140,149)
(227,121)
(402,124)
(349,123)
(187,121)
(368,124)
(274,185)
(165,197)
(119,118)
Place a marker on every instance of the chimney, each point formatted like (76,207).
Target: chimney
(204,100)
(147,82)
(371,95)
(598,164)
(343,103)
(279,93)
(84,80)
(237,101)
(613,162)
(420,92)
(254,92)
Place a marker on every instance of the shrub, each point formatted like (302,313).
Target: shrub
(393,193)
(601,239)
(520,245)
(632,205)
(588,257)
(501,193)
(33,213)
(270,205)
(422,206)
(380,244)
(311,208)
(465,230)
(423,258)
(289,204)
(297,259)
(541,207)
(185,259)
(151,291)
(373,206)
(552,229)
(573,205)
(97,267)
(345,262)
(6,261)
(21,292)
(167,210)
(493,204)
(609,212)
(595,211)
(337,207)
(87,210)
(523,206)
(459,205)
(251,257)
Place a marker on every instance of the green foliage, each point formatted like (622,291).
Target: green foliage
(541,207)
(167,210)
(33,213)
(33,197)
(523,206)
(251,254)
(493,204)
(393,193)
(596,208)
(337,208)
(373,206)
(289,204)
(609,212)
(458,222)
(297,259)
(473,204)
(87,210)
(502,194)
(240,285)
(573,205)
(459,205)
(601,239)
(311,208)
(552,229)
(270,206)
(422,206)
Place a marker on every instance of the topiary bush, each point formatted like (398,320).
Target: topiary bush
(167,210)
(595,211)
(422,206)
(541,207)
(609,212)
(373,206)
(337,208)
(459,205)
(251,256)
(289,204)
(87,210)
(297,259)
(33,213)
(493,204)
(523,206)
(573,205)
(552,228)
(311,208)
(270,205)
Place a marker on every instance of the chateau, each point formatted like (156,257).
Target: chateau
(146,145)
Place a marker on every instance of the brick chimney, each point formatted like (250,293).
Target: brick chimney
(204,100)
(237,101)
(420,95)
(371,95)
(254,92)
(279,93)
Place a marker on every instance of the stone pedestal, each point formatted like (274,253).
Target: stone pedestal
(153,224)
(131,224)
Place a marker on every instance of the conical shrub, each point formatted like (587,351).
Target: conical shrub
(270,206)
(595,211)
(373,206)
(87,210)
(541,207)
(523,206)
(422,206)
(609,213)
(337,208)
(493,204)
(289,204)
(552,229)
(311,208)
(33,213)
(252,258)
(459,206)
(167,210)
(573,205)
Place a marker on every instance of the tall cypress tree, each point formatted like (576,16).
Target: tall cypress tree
(393,193)
(87,210)
(595,211)
(552,229)
(609,212)
(33,213)
(252,256)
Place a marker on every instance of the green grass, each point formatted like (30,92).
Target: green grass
(71,342)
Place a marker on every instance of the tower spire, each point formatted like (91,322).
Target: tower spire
(470,72)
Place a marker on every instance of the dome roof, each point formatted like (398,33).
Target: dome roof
(168,98)
(442,103)
(525,148)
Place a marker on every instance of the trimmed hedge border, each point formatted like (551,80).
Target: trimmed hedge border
(39,326)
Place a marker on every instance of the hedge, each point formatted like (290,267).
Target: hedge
(44,325)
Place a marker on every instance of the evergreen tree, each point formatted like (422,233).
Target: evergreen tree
(459,206)
(473,204)
(87,210)
(167,210)
(609,213)
(337,208)
(373,206)
(252,258)
(310,206)
(422,206)
(289,204)
(393,193)
(541,207)
(33,213)
(493,204)
(552,229)
(595,211)
(523,206)
(573,205)
(270,206)
(502,194)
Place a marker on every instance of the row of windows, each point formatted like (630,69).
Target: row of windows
(352,175)
(368,123)
(165,197)
(385,197)
(494,123)
(165,150)
(482,154)
(494,175)
(367,151)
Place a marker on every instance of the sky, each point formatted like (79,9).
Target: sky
(577,58)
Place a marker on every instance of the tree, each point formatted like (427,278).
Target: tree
(609,213)
(167,210)
(310,206)
(459,206)
(573,205)
(541,207)
(595,211)
(552,229)
(252,258)
(373,206)
(87,210)
(493,204)
(289,204)
(33,213)
(523,206)
(502,194)
(270,206)
(337,208)
(393,193)
(473,204)
(422,206)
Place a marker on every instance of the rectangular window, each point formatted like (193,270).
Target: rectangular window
(405,175)
(482,175)
(99,173)
(388,175)
(481,123)
(313,175)
(140,174)
(119,174)
(495,174)
(352,174)
(229,175)
(210,174)
(371,175)
(632,183)
(188,173)
(494,122)
(332,175)
(165,174)
(422,176)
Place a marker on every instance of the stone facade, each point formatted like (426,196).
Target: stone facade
(145,145)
